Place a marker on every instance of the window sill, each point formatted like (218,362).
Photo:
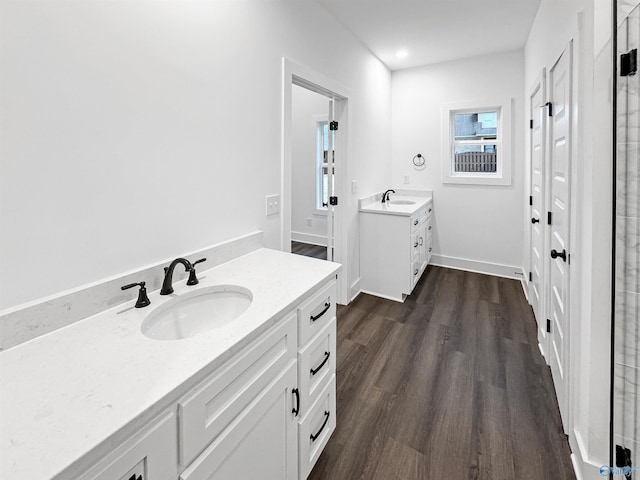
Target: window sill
(475,180)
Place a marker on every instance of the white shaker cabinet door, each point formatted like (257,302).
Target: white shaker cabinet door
(261,442)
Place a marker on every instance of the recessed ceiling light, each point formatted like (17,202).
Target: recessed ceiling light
(402,53)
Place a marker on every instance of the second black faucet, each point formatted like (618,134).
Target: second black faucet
(385,195)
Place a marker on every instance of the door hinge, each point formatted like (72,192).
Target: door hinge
(629,63)
(531,124)
(333,200)
(333,125)
(530,199)
(549,106)
(623,456)
(548,218)
(530,276)
(548,326)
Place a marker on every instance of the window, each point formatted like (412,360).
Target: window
(476,143)
(322,177)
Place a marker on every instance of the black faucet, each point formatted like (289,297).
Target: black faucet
(385,195)
(167,288)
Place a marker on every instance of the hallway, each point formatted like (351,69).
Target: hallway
(448,385)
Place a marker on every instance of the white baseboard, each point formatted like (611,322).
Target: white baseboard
(495,269)
(309,238)
(386,297)
(354,290)
(576,467)
(525,289)
(584,467)
(542,352)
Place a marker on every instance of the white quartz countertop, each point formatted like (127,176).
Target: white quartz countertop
(65,393)
(374,205)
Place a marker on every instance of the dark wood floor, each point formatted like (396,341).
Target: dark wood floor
(308,250)
(449,385)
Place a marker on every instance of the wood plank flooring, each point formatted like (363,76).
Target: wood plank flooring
(449,385)
(308,250)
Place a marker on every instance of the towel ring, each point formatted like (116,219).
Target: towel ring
(418,160)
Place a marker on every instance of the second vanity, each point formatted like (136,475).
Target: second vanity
(395,242)
(254,398)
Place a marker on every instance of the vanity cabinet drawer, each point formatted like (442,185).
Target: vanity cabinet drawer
(417,219)
(415,222)
(213,405)
(316,427)
(317,312)
(317,364)
(415,245)
(415,272)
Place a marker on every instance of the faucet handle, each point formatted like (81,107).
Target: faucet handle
(143,299)
(193,280)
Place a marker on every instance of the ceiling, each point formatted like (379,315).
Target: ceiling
(435,31)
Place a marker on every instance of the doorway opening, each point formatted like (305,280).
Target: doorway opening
(314,165)
(312,173)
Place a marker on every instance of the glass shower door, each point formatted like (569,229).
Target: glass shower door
(626,316)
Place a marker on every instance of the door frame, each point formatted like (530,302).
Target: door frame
(566,410)
(540,84)
(296,74)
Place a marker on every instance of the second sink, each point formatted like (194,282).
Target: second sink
(196,312)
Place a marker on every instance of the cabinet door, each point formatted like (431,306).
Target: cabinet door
(212,406)
(260,443)
(150,455)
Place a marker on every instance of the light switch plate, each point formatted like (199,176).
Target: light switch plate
(273,204)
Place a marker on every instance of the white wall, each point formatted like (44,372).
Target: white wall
(477,223)
(131,132)
(590,28)
(308,108)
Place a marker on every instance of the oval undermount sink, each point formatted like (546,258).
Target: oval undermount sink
(401,202)
(196,312)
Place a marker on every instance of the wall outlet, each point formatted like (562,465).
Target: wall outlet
(405,178)
(309,222)
(354,186)
(273,204)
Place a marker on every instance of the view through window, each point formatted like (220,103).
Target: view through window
(475,142)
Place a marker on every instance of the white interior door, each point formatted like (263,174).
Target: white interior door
(558,256)
(537,211)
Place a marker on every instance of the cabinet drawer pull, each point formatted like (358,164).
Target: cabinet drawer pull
(430,248)
(415,222)
(415,245)
(324,424)
(327,306)
(429,227)
(415,273)
(296,410)
(429,210)
(317,369)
